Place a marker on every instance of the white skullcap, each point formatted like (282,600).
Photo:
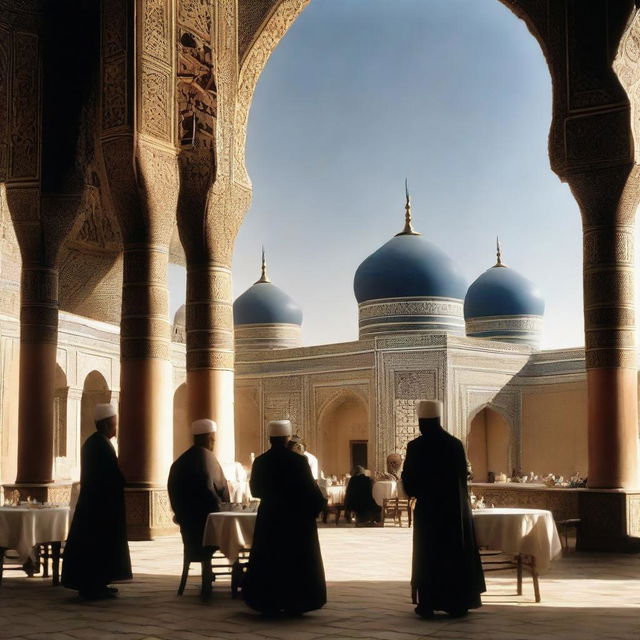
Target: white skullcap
(103,411)
(279,428)
(429,409)
(198,427)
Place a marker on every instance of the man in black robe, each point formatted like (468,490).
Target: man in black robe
(447,572)
(285,572)
(197,486)
(96,552)
(359,499)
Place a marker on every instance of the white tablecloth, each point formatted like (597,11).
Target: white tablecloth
(530,531)
(22,528)
(334,494)
(230,531)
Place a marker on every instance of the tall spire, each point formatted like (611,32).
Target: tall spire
(263,276)
(499,263)
(408,227)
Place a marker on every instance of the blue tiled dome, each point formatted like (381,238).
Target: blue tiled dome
(501,291)
(264,303)
(408,265)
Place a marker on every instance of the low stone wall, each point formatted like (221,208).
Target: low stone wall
(563,503)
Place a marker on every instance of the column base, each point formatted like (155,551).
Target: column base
(149,513)
(609,520)
(58,493)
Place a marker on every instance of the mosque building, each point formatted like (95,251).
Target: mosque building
(423,333)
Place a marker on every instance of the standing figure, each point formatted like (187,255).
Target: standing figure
(285,572)
(196,488)
(97,552)
(447,572)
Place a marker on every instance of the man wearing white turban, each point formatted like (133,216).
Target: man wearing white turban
(447,572)
(285,572)
(196,487)
(97,552)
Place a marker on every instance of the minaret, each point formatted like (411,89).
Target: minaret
(408,227)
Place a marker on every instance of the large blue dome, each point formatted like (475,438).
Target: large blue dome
(406,266)
(264,303)
(501,291)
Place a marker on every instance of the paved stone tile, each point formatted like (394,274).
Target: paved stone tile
(585,597)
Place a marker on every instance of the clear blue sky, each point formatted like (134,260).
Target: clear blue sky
(453,94)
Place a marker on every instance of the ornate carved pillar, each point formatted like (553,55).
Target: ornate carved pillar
(608,200)
(210,357)
(38,345)
(145,367)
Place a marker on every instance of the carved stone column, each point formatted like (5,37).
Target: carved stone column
(146,375)
(608,200)
(210,355)
(38,345)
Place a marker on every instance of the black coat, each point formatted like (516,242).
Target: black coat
(97,552)
(285,569)
(359,499)
(196,487)
(447,572)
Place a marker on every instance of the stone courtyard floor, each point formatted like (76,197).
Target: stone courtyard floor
(584,597)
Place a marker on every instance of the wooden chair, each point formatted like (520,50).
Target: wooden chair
(563,530)
(213,567)
(332,508)
(205,560)
(9,562)
(394,508)
(498,561)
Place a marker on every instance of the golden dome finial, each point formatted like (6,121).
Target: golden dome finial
(499,263)
(263,276)
(408,227)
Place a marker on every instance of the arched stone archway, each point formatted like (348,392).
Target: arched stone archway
(181,433)
(248,436)
(343,434)
(489,444)
(94,391)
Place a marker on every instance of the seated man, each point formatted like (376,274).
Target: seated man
(196,487)
(359,498)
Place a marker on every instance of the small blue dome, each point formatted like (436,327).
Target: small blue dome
(501,291)
(408,265)
(264,303)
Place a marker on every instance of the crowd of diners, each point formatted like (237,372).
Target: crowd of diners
(285,573)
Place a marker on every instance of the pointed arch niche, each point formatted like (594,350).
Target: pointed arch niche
(489,444)
(343,433)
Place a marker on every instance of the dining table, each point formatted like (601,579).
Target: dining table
(230,531)
(25,527)
(528,537)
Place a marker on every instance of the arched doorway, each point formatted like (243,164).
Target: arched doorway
(181,433)
(343,434)
(94,391)
(489,444)
(247,425)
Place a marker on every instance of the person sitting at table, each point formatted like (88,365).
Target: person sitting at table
(285,571)
(196,488)
(359,500)
(96,552)
(447,572)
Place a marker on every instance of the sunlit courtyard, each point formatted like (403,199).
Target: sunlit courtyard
(584,596)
